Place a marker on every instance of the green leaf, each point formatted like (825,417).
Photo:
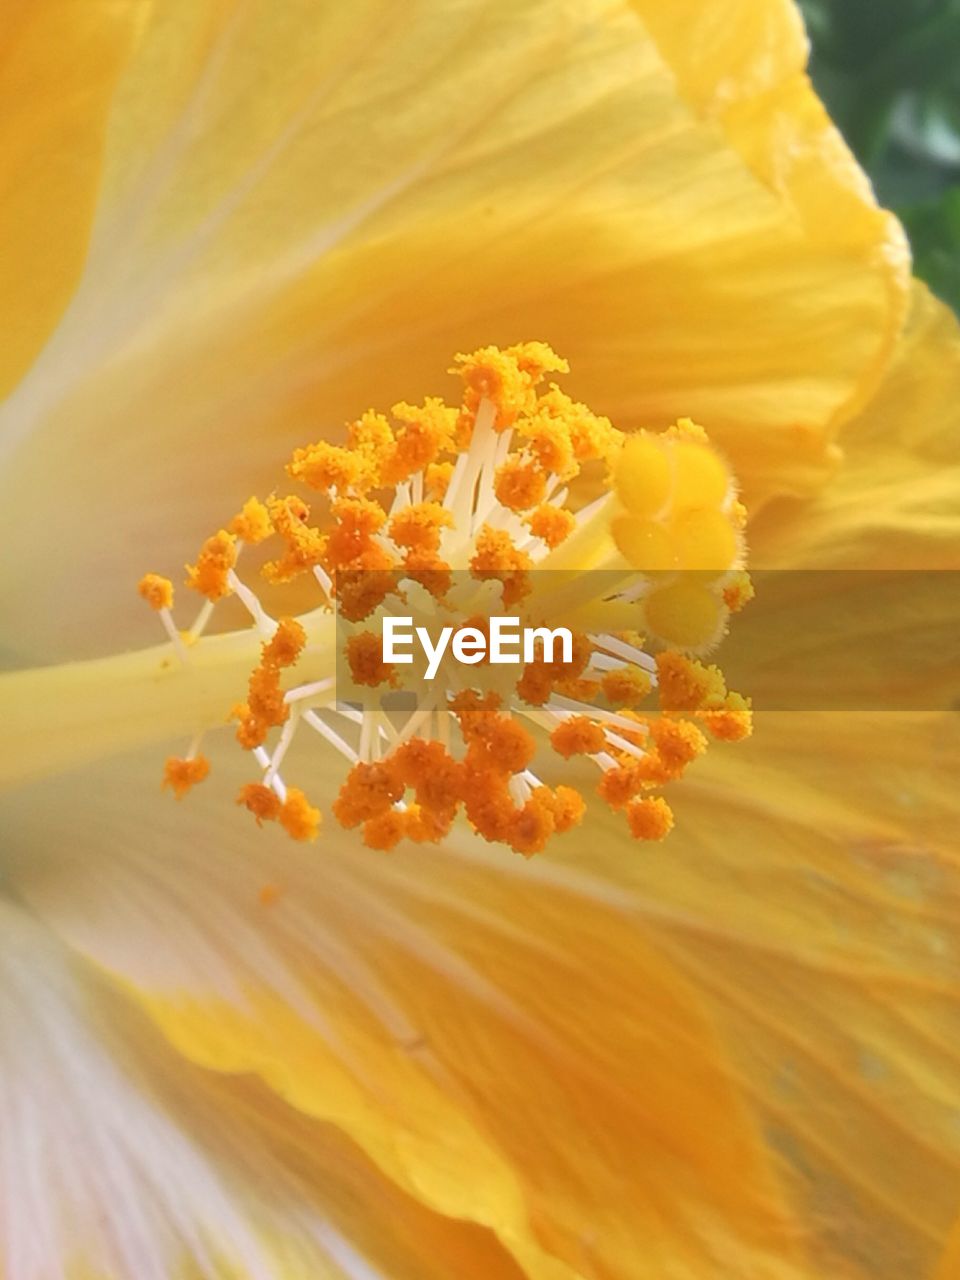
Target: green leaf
(889,73)
(934,231)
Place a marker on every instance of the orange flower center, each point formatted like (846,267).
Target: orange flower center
(454,514)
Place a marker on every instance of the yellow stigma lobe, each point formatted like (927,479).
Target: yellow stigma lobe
(679,515)
(455,514)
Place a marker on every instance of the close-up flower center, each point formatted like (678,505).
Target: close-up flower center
(521,503)
(479,677)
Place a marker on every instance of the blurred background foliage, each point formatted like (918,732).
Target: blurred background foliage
(889,72)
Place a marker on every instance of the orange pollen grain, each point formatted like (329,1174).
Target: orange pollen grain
(419,526)
(626,687)
(520,484)
(157,591)
(217,557)
(497,558)
(650,818)
(730,722)
(553,524)
(263,802)
(578,736)
(252,524)
(304,546)
(686,684)
(365,657)
(298,817)
(286,644)
(181,774)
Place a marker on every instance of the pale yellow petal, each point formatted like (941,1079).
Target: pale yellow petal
(895,501)
(507,1050)
(61,60)
(113,1167)
(123,1159)
(742,66)
(303,217)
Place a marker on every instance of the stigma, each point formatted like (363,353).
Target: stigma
(512,500)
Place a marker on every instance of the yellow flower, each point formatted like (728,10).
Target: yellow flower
(230,228)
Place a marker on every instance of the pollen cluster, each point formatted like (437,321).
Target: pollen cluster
(483,784)
(453,513)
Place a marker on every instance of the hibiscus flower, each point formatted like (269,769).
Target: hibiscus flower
(232,227)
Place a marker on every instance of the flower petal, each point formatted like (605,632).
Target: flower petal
(810,896)
(122,1159)
(811,893)
(334,1205)
(444,1012)
(96,1177)
(848,640)
(59,70)
(950,1262)
(744,68)
(303,217)
(895,502)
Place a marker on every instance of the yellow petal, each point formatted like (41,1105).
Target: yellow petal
(301,218)
(114,1166)
(60,66)
(949,1267)
(848,640)
(144,1165)
(811,892)
(332,1179)
(744,69)
(508,1051)
(895,501)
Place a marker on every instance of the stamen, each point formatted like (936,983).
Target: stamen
(261,619)
(158,593)
(449,513)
